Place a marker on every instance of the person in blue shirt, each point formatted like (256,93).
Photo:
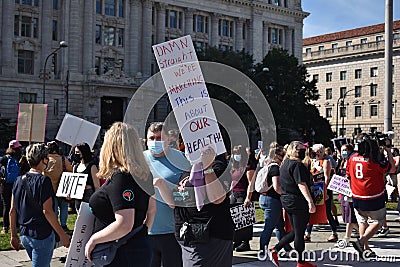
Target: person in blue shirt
(166,164)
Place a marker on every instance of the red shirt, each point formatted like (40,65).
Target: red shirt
(367,177)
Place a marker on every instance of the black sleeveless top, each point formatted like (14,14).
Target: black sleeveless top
(87,171)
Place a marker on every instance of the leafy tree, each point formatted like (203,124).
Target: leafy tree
(286,88)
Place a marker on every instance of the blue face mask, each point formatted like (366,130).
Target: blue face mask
(344,154)
(237,157)
(157,147)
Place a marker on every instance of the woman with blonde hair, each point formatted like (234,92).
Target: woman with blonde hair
(296,199)
(123,203)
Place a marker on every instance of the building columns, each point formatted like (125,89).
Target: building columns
(133,49)
(189,20)
(147,6)
(88,37)
(239,34)
(214,29)
(7,36)
(160,30)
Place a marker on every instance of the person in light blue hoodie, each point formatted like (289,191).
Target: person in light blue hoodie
(166,164)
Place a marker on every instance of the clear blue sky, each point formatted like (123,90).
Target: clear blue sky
(329,16)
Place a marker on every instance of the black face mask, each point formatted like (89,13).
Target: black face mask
(76,157)
(302,154)
(313,154)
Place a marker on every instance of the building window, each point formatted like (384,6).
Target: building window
(109,7)
(225,27)
(357,111)
(27,98)
(343,75)
(328,93)
(342,112)
(379,38)
(97,65)
(373,129)
(357,130)
(98,7)
(393,110)
(374,89)
(109,36)
(374,72)
(276,2)
(357,74)
(363,41)
(200,23)
(316,77)
(374,110)
(55,32)
(173,19)
(329,112)
(26,26)
(121,37)
(357,91)
(308,50)
(342,131)
(25,62)
(396,36)
(55,4)
(28,2)
(56,107)
(334,46)
(321,48)
(342,92)
(121,8)
(329,77)
(349,43)
(98,34)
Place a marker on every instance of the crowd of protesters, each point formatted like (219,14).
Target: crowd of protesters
(183,210)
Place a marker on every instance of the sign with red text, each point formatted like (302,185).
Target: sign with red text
(188,96)
(72,185)
(82,232)
(31,125)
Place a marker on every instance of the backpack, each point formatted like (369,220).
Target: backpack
(12,170)
(261,184)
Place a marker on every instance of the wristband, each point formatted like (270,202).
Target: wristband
(208,171)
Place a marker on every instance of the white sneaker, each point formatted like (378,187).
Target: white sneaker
(384,231)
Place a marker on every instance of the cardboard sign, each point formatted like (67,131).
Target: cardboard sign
(338,142)
(82,232)
(243,216)
(188,95)
(72,184)
(340,185)
(31,125)
(74,130)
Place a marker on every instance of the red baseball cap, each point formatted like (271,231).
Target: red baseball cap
(14,144)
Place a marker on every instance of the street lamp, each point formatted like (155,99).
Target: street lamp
(342,106)
(62,45)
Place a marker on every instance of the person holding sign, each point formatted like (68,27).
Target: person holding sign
(321,171)
(86,165)
(205,235)
(57,165)
(243,168)
(166,165)
(297,201)
(348,214)
(123,203)
(34,212)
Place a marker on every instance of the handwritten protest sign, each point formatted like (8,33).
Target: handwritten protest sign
(340,185)
(74,130)
(31,125)
(82,232)
(72,184)
(243,216)
(188,96)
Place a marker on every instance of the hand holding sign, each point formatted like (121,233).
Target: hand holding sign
(207,157)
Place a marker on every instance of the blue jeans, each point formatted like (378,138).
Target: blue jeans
(62,204)
(39,251)
(272,208)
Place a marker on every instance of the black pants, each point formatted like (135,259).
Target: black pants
(166,251)
(299,221)
(328,208)
(6,199)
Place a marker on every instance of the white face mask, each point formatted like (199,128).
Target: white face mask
(237,157)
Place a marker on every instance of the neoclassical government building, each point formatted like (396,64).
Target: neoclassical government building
(350,66)
(109,51)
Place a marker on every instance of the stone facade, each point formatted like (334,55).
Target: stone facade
(352,61)
(109,48)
